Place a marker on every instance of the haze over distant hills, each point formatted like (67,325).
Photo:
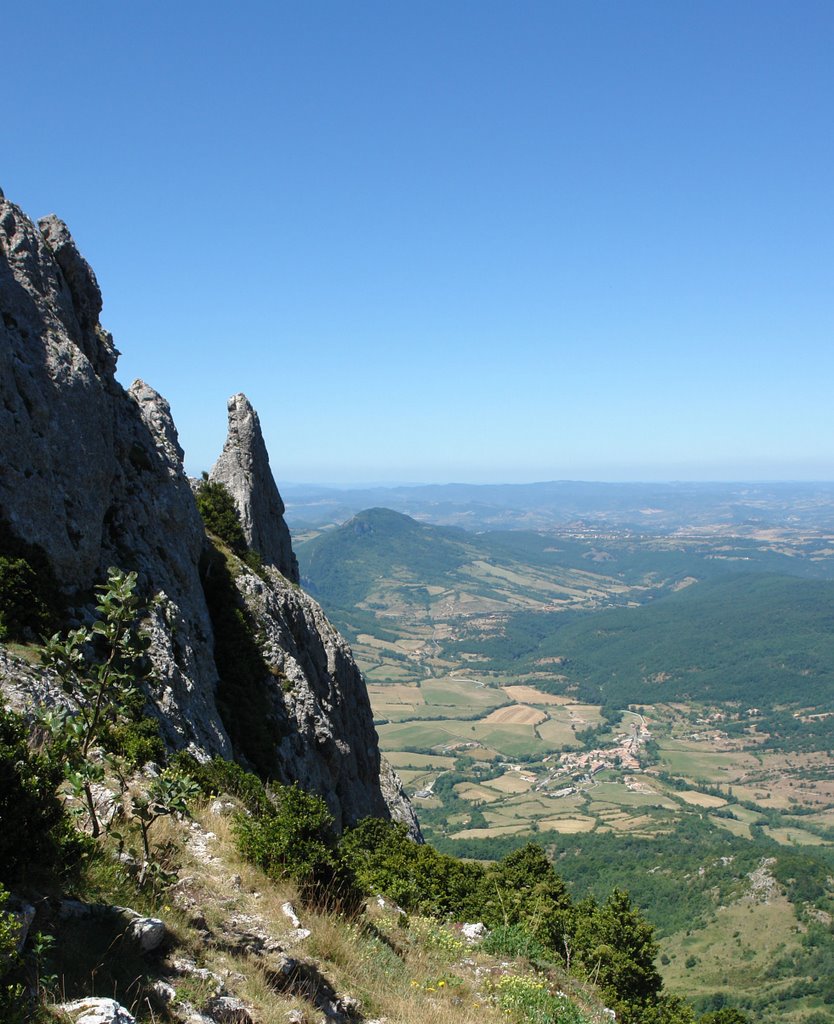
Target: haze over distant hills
(651,507)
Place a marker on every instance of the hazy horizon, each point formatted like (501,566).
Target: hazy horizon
(671,482)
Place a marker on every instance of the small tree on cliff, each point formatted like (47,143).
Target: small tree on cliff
(101,669)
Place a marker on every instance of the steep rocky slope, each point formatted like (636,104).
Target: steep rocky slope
(93,475)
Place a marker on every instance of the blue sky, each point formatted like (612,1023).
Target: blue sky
(435,241)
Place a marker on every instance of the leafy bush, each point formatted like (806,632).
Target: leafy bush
(515,941)
(726,1015)
(219,514)
(135,733)
(523,889)
(169,793)
(30,599)
(219,776)
(37,841)
(294,839)
(617,949)
(100,670)
(13,1008)
(417,877)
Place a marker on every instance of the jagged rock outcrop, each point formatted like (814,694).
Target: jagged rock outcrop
(398,804)
(243,468)
(330,744)
(93,474)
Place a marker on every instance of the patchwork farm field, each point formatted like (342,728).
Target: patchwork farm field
(618,698)
(524,765)
(516,757)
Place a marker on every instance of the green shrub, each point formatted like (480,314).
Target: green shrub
(100,669)
(726,1015)
(219,776)
(219,514)
(294,839)
(20,608)
(417,877)
(30,599)
(135,734)
(617,949)
(37,841)
(514,940)
(13,1002)
(524,889)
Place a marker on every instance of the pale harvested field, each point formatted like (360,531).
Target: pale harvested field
(531,808)
(824,818)
(511,782)
(611,814)
(472,791)
(517,714)
(632,823)
(431,802)
(530,695)
(702,799)
(488,833)
(415,778)
(765,795)
(501,816)
(589,714)
(569,826)
(789,836)
(371,641)
(389,671)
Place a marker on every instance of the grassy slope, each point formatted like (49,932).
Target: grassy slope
(409,970)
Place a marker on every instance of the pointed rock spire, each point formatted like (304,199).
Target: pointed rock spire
(243,468)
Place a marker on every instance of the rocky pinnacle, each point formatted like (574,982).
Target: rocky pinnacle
(243,468)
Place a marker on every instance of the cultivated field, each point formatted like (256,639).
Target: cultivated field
(517,714)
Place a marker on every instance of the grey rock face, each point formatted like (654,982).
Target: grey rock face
(243,468)
(396,800)
(93,474)
(329,744)
(84,293)
(56,422)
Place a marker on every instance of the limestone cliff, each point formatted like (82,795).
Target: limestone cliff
(243,468)
(93,474)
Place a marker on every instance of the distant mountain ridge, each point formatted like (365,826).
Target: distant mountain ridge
(643,506)
(702,619)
